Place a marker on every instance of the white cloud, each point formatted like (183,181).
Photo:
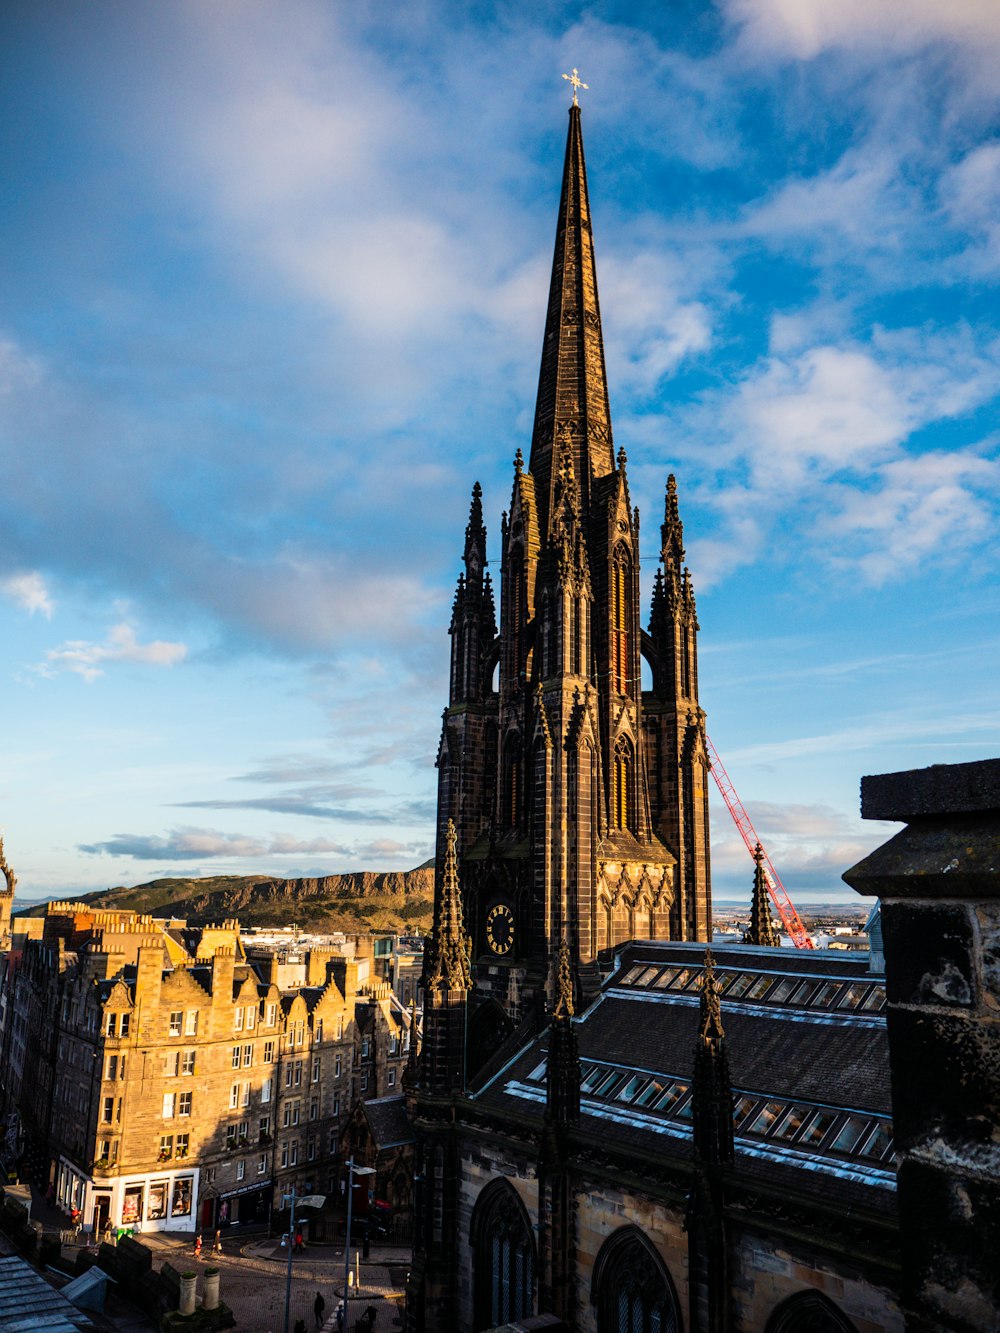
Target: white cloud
(804,28)
(932,505)
(651,328)
(823,441)
(30,591)
(88,659)
(198,844)
(970,195)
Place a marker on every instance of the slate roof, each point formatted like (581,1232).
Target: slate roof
(28,1303)
(389,1124)
(816,1052)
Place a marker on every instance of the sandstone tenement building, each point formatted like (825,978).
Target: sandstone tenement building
(169,1082)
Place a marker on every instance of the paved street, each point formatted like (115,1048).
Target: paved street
(254,1276)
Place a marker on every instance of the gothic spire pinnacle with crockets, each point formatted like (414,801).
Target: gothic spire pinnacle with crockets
(761,929)
(672,531)
(563,1067)
(572,403)
(712,1099)
(449,968)
(475,536)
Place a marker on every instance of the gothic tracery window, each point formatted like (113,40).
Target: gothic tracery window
(511,795)
(624,804)
(632,1288)
(809,1312)
(621,620)
(504,1257)
(516,620)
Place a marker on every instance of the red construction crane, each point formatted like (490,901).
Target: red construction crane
(786,908)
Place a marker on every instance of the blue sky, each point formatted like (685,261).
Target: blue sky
(272,287)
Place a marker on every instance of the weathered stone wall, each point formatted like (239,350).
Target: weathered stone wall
(483,1160)
(600,1211)
(766,1271)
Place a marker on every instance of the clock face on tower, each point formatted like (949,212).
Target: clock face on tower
(500,929)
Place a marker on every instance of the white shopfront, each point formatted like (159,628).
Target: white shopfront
(153,1201)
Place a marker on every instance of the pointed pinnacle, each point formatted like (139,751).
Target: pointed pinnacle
(564,984)
(475,511)
(710,1028)
(451,962)
(622,459)
(518,462)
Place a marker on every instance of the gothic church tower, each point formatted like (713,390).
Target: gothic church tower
(580,802)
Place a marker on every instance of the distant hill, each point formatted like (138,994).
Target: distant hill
(360,901)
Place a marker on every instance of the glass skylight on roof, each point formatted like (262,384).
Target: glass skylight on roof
(782,990)
(630,1087)
(816,1128)
(878,1142)
(826,994)
(852,996)
(791,1122)
(768,1115)
(666,978)
(537,1075)
(607,1085)
(760,987)
(670,1096)
(591,1077)
(740,982)
(743,1107)
(649,1093)
(875,1000)
(804,993)
(647,977)
(629,978)
(848,1136)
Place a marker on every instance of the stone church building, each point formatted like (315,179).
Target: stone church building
(580,802)
(615,1131)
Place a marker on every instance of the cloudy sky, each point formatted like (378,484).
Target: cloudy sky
(272,287)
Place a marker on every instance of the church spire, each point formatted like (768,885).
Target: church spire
(761,929)
(572,400)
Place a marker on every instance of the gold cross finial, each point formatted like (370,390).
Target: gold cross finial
(577,82)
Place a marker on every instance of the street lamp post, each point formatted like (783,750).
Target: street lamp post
(352,1171)
(290,1242)
(309,1201)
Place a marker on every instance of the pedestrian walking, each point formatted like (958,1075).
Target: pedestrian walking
(318,1307)
(340,1317)
(197,1246)
(218,1242)
(299,1243)
(300,1326)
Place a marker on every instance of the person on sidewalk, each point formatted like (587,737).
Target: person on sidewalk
(319,1305)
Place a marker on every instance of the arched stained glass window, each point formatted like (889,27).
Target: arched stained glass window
(504,1255)
(632,1288)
